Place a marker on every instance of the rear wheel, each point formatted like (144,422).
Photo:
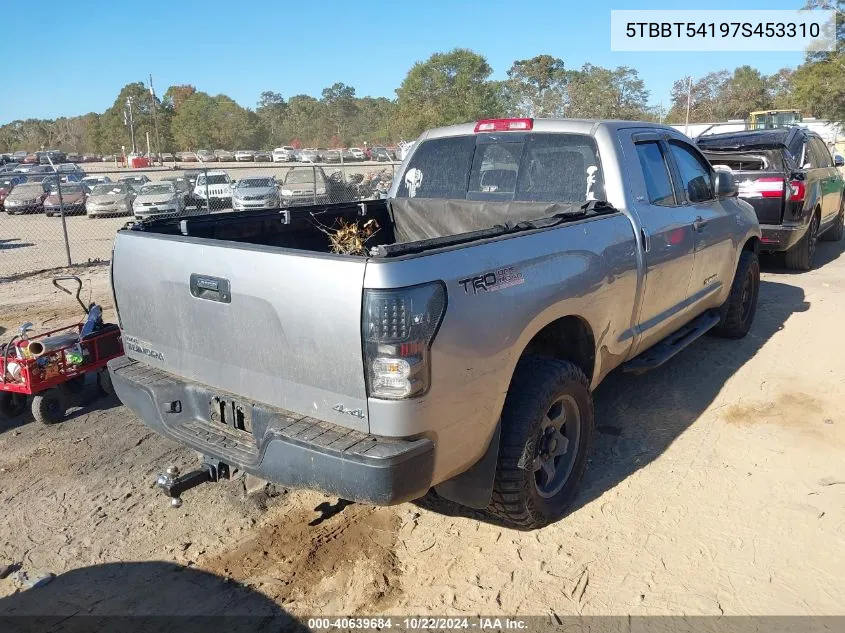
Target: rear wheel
(835,232)
(11,404)
(48,407)
(801,256)
(547,430)
(738,311)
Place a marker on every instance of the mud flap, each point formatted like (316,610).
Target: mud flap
(474,487)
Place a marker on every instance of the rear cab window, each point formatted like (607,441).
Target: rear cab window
(529,167)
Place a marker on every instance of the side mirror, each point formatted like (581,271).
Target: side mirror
(725,185)
(839,161)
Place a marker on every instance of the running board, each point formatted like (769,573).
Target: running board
(661,352)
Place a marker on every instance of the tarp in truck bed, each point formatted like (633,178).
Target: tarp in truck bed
(419,219)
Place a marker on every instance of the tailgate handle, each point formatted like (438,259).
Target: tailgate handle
(211,288)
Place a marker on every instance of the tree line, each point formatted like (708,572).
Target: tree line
(450,87)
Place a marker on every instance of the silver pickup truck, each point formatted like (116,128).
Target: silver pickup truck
(515,264)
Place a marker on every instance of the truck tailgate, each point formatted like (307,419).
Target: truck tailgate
(765,192)
(269,325)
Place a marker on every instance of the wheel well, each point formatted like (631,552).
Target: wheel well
(753,244)
(568,338)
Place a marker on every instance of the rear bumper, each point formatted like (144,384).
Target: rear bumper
(779,237)
(283,447)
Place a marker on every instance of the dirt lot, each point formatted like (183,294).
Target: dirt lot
(33,242)
(717,486)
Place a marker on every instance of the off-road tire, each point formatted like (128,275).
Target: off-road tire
(11,404)
(738,311)
(537,384)
(801,256)
(48,407)
(835,232)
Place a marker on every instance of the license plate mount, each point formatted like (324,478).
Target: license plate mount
(231,413)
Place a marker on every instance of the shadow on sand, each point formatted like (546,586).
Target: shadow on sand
(147,596)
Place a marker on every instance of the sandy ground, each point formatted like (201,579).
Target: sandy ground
(717,486)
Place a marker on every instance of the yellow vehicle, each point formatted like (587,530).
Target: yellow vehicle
(768,119)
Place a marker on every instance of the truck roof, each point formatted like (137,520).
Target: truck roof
(573,126)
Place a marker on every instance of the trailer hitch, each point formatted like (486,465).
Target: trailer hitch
(173,484)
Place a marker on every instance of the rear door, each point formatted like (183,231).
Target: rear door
(667,239)
(830,181)
(266,324)
(714,225)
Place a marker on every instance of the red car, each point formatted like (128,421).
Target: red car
(31,159)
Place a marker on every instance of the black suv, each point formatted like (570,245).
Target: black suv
(791,180)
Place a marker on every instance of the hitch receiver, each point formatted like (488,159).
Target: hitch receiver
(173,485)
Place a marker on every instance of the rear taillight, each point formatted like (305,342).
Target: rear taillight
(398,328)
(762,188)
(504,125)
(797,191)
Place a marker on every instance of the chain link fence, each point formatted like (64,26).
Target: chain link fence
(67,214)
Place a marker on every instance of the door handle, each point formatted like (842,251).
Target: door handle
(699,224)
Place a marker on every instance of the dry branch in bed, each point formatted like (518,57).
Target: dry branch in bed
(350,238)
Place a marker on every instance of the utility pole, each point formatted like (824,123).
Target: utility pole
(131,124)
(155,120)
(689,98)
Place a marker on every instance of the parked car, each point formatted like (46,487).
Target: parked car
(308,156)
(91,181)
(18,157)
(790,178)
(183,187)
(299,187)
(262,157)
(134,181)
(461,351)
(380,154)
(206,156)
(285,154)
(167,157)
(9,168)
(27,197)
(259,192)
(7,183)
(30,159)
(188,157)
(109,198)
(244,155)
(224,155)
(332,156)
(158,198)
(213,189)
(357,153)
(72,199)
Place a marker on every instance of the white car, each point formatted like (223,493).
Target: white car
(217,185)
(357,153)
(244,155)
(286,154)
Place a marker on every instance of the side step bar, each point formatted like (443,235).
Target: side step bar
(661,352)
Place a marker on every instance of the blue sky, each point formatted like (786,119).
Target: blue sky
(295,46)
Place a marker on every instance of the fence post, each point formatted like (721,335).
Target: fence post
(207,197)
(61,209)
(314,169)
